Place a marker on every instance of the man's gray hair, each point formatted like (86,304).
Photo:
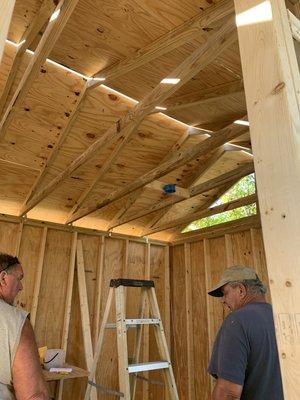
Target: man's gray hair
(253,286)
(8,262)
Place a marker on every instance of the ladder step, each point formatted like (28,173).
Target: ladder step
(151,366)
(144,321)
(133,323)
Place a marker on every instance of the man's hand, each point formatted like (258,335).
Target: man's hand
(225,390)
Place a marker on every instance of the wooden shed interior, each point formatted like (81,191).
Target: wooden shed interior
(104,103)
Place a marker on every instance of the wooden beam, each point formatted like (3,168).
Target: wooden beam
(238,225)
(38,278)
(200,171)
(295,26)
(272,87)
(44,47)
(132,198)
(199,102)
(221,180)
(204,94)
(31,32)
(84,312)
(194,28)
(244,201)
(6,10)
(68,307)
(198,60)
(179,159)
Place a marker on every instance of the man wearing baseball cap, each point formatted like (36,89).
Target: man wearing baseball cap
(244,358)
(20,371)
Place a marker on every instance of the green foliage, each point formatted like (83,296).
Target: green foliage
(245,187)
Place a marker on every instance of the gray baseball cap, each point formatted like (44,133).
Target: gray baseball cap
(232,274)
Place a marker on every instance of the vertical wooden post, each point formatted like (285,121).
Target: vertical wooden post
(272,87)
(189,321)
(167,319)
(84,311)
(19,238)
(68,304)
(146,327)
(38,278)
(6,10)
(99,275)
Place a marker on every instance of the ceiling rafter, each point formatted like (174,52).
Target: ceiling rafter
(244,201)
(237,225)
(225,180)
(40,19)
(179,159)
(178,145)
(210,15)
(48,40)
(199,59)
(224,92)
(173,39)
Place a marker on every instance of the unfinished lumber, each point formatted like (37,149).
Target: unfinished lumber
(273,110)
(132,198)
(244,201)
(193,28)
(179,159)
(43,15)
(198,60)
(68,306)
(200,102)
(98,291)
(48,40)
(84,312)
(238,225)
(227,178)
(215,156)
(201,95)
(189,320)
(184,72)
(56,148)
(6,10)
(38,278)
(295,26)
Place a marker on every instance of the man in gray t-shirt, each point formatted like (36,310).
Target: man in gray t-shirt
(244,359)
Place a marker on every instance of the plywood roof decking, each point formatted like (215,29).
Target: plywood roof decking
(113,32)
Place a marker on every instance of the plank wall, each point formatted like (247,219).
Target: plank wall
(195,267)
(45,253)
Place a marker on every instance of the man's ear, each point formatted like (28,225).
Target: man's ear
(3,275)
(242,290)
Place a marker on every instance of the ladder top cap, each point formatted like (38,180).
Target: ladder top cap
(131,282)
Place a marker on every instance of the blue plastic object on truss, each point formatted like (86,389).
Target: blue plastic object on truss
(169,188)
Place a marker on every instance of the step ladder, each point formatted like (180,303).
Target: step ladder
(128,372)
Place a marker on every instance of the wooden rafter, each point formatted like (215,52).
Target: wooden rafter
(132,198)
(204,206)
(202,95)
(203,214)
(212,14)
(44,47)
(198,60)
(295,26)
(185,71)
(201,169)
(220,181)
(179,159)
(177,37)
(30,34)
(238,225)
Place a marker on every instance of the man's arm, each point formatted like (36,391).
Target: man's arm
(225,390)
(28,380)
